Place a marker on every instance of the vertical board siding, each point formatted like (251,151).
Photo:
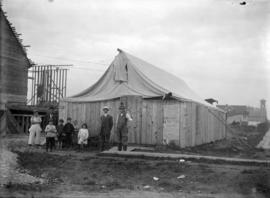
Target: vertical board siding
(204,117)
(183,124)
(171,125)
(147,122)
(211,130)
(138,115)
(149,128)
(195,128)
(157,122)
(194,124)
(206,126)
(14,66)
(144,119)
(189,125)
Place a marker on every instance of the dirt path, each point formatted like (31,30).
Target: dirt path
(73,174)
(147,194)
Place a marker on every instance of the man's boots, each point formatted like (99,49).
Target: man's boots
(125,147)
(120,147)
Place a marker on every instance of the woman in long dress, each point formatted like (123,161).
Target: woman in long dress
(35,130)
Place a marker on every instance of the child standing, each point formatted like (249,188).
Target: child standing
(83,136)
(68,131)
(60,133)
(51,134)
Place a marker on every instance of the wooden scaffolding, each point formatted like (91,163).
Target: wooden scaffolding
(49,84)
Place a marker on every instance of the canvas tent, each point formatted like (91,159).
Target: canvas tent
(129,75)
(164,108)
(265,142)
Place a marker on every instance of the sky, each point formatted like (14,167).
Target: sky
(220,48)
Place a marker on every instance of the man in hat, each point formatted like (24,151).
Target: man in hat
(106,127)
(121,129)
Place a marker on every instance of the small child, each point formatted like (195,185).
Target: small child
(83,136)
(60,133)
(51,134)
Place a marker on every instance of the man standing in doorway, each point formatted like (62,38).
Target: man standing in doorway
(106,127)
(121,129)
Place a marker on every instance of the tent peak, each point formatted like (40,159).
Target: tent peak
(119,50)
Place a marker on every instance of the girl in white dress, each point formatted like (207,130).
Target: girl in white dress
(83,136)
(35,130)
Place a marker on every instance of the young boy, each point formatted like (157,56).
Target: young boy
(60,133)
(51,134)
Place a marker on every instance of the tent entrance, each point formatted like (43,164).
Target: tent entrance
(171,124)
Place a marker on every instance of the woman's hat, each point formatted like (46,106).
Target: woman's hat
(122,106)
(105,107)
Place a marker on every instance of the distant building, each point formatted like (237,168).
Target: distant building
(238,114)
(245,115)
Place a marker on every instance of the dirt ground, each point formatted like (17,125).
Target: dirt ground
(238,144)
(74,174)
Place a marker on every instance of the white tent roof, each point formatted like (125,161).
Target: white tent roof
(129,75)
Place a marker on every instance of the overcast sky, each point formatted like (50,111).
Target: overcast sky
(219,47)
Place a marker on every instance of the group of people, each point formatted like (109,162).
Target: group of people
(62,134)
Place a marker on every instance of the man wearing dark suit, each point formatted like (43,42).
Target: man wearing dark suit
(106,127)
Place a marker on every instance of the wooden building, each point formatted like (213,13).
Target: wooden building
(14,66)
(164,109)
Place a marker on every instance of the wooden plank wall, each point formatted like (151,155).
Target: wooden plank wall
(152,122)
(134,107)
(197,124)
(171,124)
(88,113)
(183,125)
(200,124)
(13,66)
